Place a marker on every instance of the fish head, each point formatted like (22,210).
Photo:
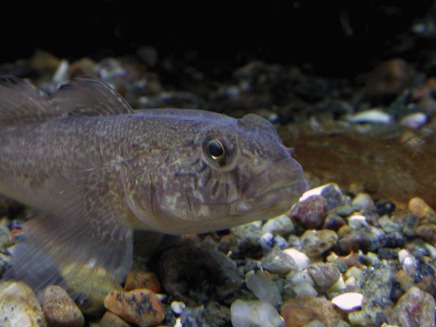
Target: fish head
(220,175)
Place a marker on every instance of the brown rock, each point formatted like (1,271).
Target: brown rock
(112,320)
(324,275)
(301,310)
(141,306)
(389,78)
(420,208)
(310,213)
(59,309)
(142,279)
(415,308)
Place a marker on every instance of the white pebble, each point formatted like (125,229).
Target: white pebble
(356,221)
(264,289)
(431,250)
(255,313)
(317,191)
(178,323)
(300,258)
(348,302)
(178,307)
(374,116)
(406,259)
(414,121)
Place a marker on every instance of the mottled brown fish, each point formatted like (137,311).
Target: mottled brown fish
(94,170)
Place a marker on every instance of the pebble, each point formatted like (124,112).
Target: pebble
(427,232)
(311,213)
(142,279)
(254,313)
(363,202)
(279,262)
(414,121)
(281,225)
(301,310)
(19,306)
(300,258)
(415,308)
(264,288)
(177,307)
(373,116)
(315,243)
(110,319)
(348,302)
(324,275)
(141,306)
(59,309)
(420,208)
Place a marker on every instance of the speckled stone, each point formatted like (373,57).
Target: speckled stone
(110,319)
(315,243)
(301,310)
(311,213)
(59,309)
(377,285)
(141,306)
(142,279)
(414,309)
(19,306)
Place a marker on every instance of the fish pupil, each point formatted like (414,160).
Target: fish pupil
(215,149)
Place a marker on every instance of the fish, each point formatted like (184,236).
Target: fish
(93,170)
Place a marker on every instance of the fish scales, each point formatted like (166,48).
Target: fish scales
(93,170)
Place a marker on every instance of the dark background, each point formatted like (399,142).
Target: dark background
(337,37)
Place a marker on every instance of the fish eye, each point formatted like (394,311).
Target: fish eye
(216,151)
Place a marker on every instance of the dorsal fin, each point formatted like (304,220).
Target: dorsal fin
(22,102)
(89,97)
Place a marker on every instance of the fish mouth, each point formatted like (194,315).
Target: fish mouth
(277,198)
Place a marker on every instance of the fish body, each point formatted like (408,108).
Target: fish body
(93,170)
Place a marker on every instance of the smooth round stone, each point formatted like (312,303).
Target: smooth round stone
(59,309)
(374,116)
(414,121)
(348,302)
(311,213)
(255,313)
(420,208)
(264,288)
(19,306)
(110,319)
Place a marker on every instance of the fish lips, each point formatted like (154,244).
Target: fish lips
(272,191)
